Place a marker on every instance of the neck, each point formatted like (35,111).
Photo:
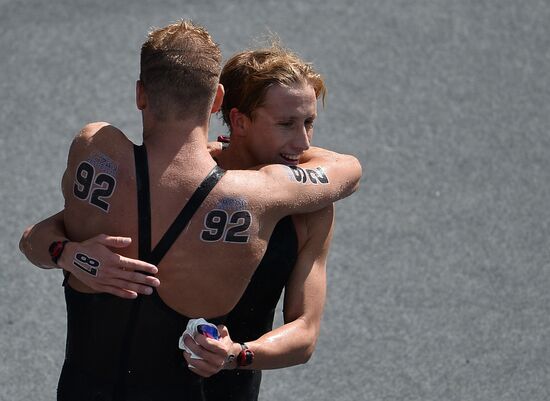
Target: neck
(235,157)
(174,137)
(171,145)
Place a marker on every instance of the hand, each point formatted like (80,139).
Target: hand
(94,264)
(214,148)
(214,353)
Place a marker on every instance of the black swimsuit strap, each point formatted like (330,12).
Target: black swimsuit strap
(144,202)
(144,209)
(186,213)
(154,256)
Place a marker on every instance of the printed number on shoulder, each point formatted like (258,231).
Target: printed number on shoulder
(92,187)
(232,228)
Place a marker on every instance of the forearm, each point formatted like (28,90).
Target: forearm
(321,178)
(316,153)
(118,275)
(288,345)
(36,239)
(345,167)
(305,291)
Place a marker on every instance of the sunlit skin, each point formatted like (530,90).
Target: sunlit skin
(277,132)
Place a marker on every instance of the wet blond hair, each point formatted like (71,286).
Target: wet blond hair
(248,75)
(180,67)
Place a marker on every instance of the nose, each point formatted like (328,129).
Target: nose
(302,139)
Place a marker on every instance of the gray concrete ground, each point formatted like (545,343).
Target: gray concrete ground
(440,266)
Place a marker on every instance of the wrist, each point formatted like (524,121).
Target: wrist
(56,250)
(245,356)
(231,360)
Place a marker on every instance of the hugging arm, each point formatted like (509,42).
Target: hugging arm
(294,342)
(323,177)
(118,275)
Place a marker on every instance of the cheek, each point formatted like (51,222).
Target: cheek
(262,145)
(268,137)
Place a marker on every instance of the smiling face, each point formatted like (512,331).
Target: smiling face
(270,104)
(281,129)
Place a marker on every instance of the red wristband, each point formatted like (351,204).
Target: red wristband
(245,357)
(56,249)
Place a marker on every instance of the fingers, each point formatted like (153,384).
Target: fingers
(210,364)
(215,358)
(97,266)
(130,286)
(134,264)
(200,367)
(223,331)
(135,281)
(119,292)
(113,241)
(117,280)
(209,344)
(118,277)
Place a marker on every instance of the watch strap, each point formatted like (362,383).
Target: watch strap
(245,357)
(56,250)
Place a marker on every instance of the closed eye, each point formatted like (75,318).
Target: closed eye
(286,124)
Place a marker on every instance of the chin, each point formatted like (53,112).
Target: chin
(291,162)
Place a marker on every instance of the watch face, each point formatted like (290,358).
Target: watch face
(245,357)
(208,331)
(249,356)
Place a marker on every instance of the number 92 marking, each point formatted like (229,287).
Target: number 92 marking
(93,188)
(218,224)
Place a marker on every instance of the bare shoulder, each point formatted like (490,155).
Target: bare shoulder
(98,134)
(254,182)
(90,129)
(315,227)
(98,181)
(320,218)
(98,138)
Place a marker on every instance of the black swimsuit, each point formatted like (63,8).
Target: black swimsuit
(253,315)
(127,350)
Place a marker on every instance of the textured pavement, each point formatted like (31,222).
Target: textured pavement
(439,272)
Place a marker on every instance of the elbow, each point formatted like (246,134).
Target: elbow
(355,172)
(307,347)
(24,241)
(25,245)
(307,352)
(309,333)
(358,169)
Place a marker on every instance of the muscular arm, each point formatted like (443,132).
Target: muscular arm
(118,275)
(36,239)
(321,179)
(294,342)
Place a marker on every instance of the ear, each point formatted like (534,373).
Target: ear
(218,99)
(141,98)
(239,122)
